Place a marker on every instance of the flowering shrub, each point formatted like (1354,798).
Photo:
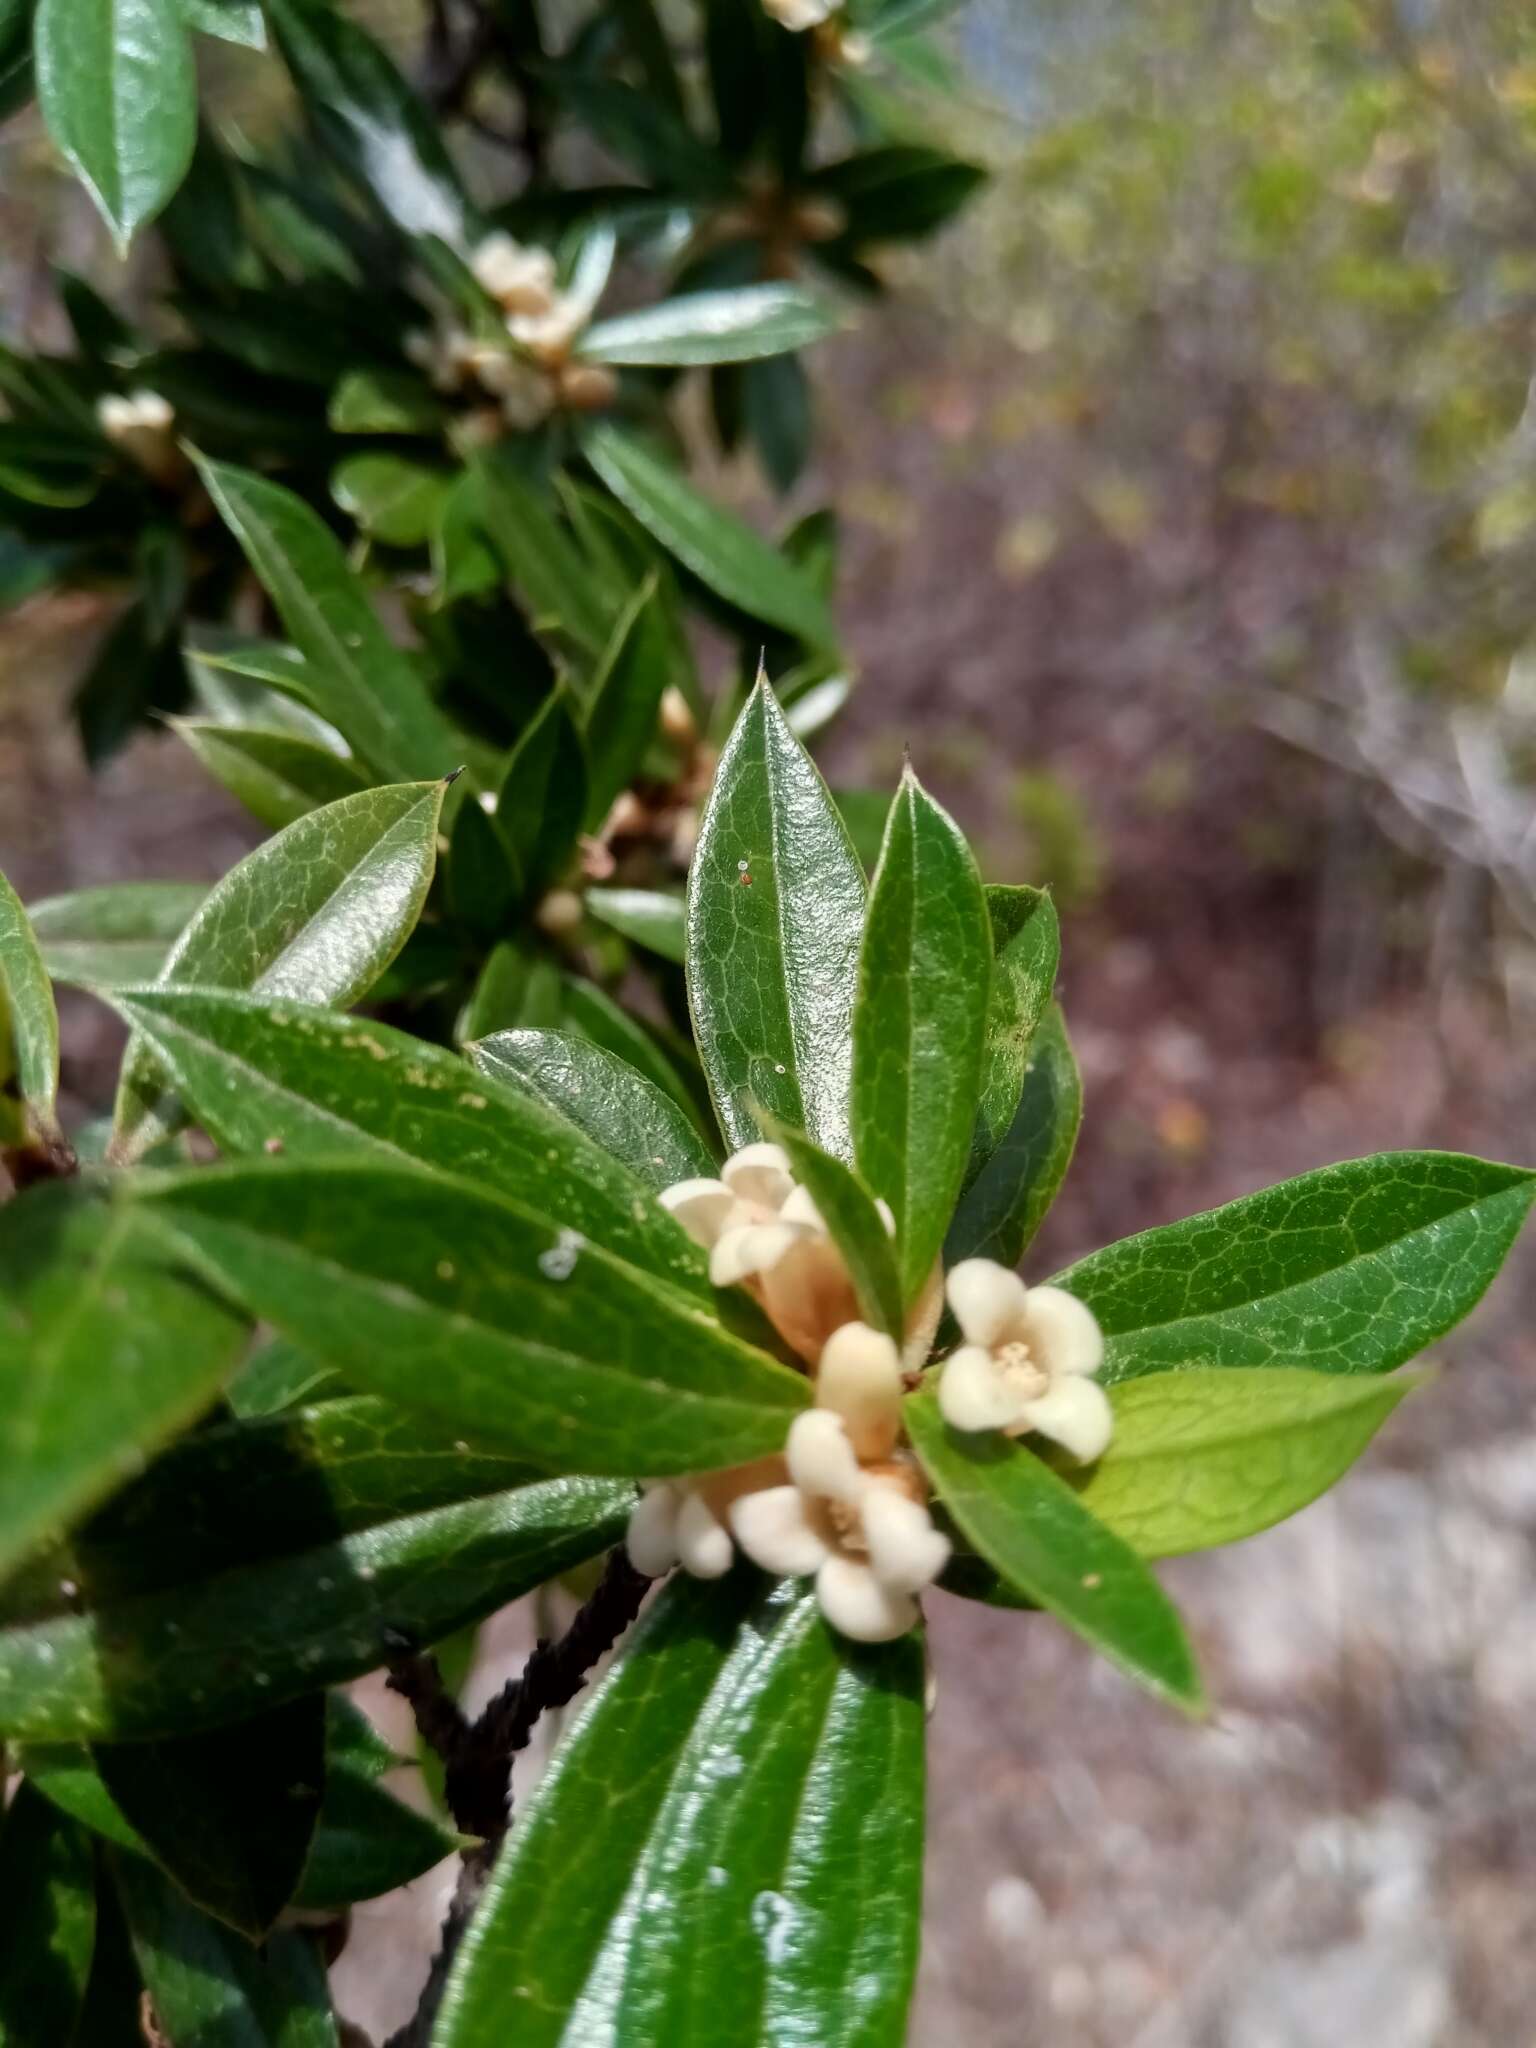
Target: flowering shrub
(441,1326)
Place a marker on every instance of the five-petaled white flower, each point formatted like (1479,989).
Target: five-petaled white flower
(1026,1363)
(855,1509)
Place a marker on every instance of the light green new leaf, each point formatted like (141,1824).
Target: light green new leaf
(653,918)
(757,1877)
(355,674)
(276,775)
(1353,1268)
(775,919)
(1201,1458)
(459,1302)
(314,915)
(122,931)
(118,95)
(105,1351)
(602,1095)
(1007,1202)
(919,1025)
(232,21)
(1032,1529)
(856,1226)
(385,402)
(29,1029)
(713,544)
(1026,947)
(626,693)
(254,1072)
(208,1986)
(713,327)
(397,501)
(230,1814)
(49,1888)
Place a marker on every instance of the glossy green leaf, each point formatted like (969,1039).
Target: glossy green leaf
(775,919)
(1201,1458)
(29,1028)
(357,677)
(848,1209)
(229,1814)
(713,544)
(256,1562)
(49,1927)
(484,890)
(105,1350)
(919,1025)
(260,1075)
(1007,1202)
(586,1008)
(1027,1522)
(232,21)
(385,402)
(455,1301)
(277,776)
(1353,1268)
(121,931)
(117,92)
(757,1878)
(547,571)
(396,501)
(208,1986)
(713,327)
(543,797)
(279,1375)
(370,118)
(1026,948)
(314,915)
(602,1095)
(899,191)
(653,918)
(635,669)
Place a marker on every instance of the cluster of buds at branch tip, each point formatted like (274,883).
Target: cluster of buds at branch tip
(143,425)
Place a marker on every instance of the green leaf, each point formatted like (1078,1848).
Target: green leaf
(356,675)
(1353,1268)
(897,192)
(490,1315)
(653,918)
(314,915)
(258,1074)
(277,776)
(209,1987)
(757,1878)
(713,327)
(543,797)
(396,501)
(370,119)
(1030,1526)
(277,1376)
(777,412)
(1026,947)
(545,565)
(117,92)
(1202,1458)
(114,1997)
(775,919)
(592,1011)
(29,1029)
(106,1351)
(385,402)
(230,1814)
(627,690)
(919,1025)
(1004,1206)
(484,890)
(49,1888)
(602,1095)
(857,1228)
(256,1562)
(232,21)
(714,545)
(121,931)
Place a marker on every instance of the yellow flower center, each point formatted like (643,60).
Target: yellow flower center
(1028,1380)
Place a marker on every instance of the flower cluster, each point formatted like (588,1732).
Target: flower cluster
(143,425)
(532,372)
(846,1501)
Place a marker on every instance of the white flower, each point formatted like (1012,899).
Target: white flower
(521,280)
(1026,1363)
(801,14)
(854,1511)
(141,424)
(682,1521)
(762,1231)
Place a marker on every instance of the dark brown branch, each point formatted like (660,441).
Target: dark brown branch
(440,1724)
(474,1872)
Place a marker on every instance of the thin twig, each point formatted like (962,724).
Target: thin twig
(439,1721)
(474,1873)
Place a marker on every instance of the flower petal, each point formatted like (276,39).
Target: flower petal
(1062,1333)
(905,1549)
(759,1173)
(651,1538)
(820,1457)
(750,1248)
(799,1207)
(988,1300)
(859,1606)
(859,1378)
(973,1393)
(1074,1413)
(701,1206)
(703,1542)
(774,1530)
